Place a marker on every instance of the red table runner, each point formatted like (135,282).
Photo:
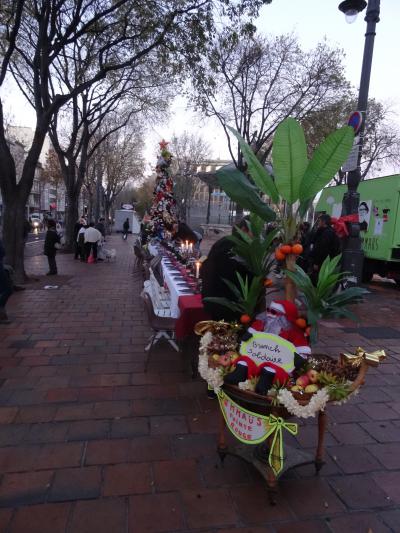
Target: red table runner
(191,311)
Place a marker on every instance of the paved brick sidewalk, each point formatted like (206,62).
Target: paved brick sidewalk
(91,444)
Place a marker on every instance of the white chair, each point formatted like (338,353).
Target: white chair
(163,327)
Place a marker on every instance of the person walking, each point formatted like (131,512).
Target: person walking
(92,237)
(125,228)
(51,244)
(324,243)
(6,287)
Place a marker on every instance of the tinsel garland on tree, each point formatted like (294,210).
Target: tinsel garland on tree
(163,209)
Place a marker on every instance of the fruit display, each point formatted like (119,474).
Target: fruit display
(317,380)
(287,249)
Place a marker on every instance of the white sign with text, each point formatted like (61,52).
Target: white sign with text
(269,348)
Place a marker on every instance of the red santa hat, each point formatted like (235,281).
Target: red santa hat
(285,308)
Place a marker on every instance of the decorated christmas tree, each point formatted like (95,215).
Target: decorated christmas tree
(163,209)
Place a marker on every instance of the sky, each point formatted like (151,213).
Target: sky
(311,20)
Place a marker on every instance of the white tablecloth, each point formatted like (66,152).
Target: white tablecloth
(175,290)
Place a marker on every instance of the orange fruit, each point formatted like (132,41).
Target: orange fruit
(268,282)
(279,256)
(245,319)
(297,249)
(301,323)
(286,249)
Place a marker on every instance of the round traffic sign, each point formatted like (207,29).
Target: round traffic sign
(355,121)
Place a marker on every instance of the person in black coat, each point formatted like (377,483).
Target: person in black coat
(50,247)
(78,225)
(219,265)
(6,287)
(182,233)
(325,243)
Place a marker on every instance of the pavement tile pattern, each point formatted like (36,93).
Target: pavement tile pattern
(91,443)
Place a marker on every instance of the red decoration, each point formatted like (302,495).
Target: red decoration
(163,144)
(340,224)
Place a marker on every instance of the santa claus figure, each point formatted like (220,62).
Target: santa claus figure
(279,319)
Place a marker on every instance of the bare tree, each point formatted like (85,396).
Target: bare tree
(143,195)
(381,146)
(189,151)
(252,83)
(120,159)
(33,33)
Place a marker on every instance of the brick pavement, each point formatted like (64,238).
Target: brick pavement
(90,443)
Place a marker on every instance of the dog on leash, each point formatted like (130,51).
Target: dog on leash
(110,254)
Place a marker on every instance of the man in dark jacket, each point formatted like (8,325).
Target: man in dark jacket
(219,265)
(182,233)
(125,229)
(50,247)
(325,243)
(6,287)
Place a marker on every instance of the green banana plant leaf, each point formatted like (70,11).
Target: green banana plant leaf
(326,161)
(289,155)
(256,224)
(241,191)
(233,306)
(256,170)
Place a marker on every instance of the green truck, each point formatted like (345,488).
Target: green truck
(379,216)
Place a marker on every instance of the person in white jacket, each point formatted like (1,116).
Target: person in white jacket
(92,237)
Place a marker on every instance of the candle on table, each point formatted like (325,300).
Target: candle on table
(197,269)
(190,247)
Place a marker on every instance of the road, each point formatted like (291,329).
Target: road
(34,244)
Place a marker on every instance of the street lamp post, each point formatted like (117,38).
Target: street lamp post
(353,256)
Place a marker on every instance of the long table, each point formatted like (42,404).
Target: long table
(186,307)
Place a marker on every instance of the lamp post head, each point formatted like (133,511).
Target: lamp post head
(351,8)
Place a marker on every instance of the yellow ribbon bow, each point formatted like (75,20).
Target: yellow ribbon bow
(274,426)
(360,355)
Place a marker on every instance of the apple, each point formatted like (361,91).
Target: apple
(303,381)
(312,375)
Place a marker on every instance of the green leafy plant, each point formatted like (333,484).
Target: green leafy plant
(296,179)
(247,296)
(322,301)
(255,249)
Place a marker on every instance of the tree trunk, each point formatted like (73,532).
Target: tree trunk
(13,236)
(289,285)
(72,215)
(107,209)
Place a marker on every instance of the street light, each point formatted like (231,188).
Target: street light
(353,256)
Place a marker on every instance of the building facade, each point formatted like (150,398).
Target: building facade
(46,197)
(210,203)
